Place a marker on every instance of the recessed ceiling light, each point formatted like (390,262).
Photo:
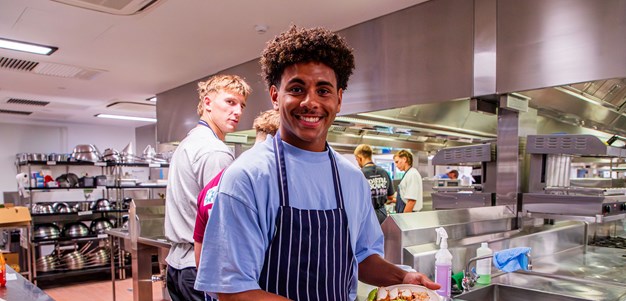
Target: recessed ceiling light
(123,117)
(26,47)
(152,99)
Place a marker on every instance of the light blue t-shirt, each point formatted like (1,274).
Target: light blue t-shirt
(242,222)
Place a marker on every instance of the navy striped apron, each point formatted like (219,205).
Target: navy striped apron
(310,256)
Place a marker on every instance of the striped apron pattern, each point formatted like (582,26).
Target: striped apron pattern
(310,256)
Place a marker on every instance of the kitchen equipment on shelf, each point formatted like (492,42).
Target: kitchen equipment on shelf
(111,155)
(75,229)
(63,208)
(99,225)
(67,180)
(87,181)
(101,205)
(43,208)
(47,263)
(86,152)
(46,231)
(74,260)
(101,180)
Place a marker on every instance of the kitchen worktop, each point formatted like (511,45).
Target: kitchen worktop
(18,288)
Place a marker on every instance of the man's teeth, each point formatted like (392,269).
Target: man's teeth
(310,119)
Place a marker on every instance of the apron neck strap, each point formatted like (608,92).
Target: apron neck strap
(202,122)
(283,191)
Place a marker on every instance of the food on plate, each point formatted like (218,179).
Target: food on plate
(397,294)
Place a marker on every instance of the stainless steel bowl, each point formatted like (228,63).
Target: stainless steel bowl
(99,225)
(63,208)
(46,231)
(101,205)
(43,208)
(74,230)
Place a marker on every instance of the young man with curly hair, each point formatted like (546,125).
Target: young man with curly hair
(196,160)
(293,217)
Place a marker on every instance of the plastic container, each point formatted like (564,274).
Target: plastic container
(483,266)
(443,264)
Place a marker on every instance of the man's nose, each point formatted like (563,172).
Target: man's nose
(310,100)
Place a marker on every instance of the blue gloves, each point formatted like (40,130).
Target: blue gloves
(511,260)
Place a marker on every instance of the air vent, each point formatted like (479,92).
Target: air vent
(16,64)
(27,102)
(67,71)
(50,69)
(116,7)
(14,112)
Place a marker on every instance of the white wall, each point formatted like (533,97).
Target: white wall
(53,138)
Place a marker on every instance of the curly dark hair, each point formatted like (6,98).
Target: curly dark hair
(301,45)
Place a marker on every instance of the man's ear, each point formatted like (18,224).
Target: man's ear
(274,97)
(339,97)
(207,103)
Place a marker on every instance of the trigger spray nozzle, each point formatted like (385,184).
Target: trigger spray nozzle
(442,237)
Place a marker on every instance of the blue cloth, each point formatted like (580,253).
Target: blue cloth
(511,260)
(242,223)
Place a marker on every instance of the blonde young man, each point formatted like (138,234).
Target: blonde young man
(410,190)
(381,186)
(197,159)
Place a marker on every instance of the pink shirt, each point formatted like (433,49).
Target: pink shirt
(205,203)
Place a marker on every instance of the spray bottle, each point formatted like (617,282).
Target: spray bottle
(443,264)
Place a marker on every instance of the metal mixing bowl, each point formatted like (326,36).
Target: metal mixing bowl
(99,225)
(74,230)
(46,231)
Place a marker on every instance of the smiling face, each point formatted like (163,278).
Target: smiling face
(223,110)
(308,101)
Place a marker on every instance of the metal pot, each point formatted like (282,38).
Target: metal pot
(76,229)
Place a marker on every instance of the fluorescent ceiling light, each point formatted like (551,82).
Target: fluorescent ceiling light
(152,99)
(126,117)
(26,47)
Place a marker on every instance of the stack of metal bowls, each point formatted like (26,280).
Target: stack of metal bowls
(46,231)
(47,263)
(86,152)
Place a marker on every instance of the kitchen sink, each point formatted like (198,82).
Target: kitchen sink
(496,292)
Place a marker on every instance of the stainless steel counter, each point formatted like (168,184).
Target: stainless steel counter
(598,275)
(21,289)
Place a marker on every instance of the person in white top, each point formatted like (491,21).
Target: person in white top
(197,159)
(410,191)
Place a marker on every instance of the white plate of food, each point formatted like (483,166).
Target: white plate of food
(403,292)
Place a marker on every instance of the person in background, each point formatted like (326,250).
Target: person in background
(265,124)
(452,175)
(381,186)
(293,217)
(410,191)
(197,159)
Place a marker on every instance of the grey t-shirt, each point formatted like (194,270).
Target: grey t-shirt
(196,160)
(380,187)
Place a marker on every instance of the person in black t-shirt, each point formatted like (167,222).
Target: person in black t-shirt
(378,178)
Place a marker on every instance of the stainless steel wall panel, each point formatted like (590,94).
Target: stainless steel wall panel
(550,43)
(422,54)
(485,46)
(508,162)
